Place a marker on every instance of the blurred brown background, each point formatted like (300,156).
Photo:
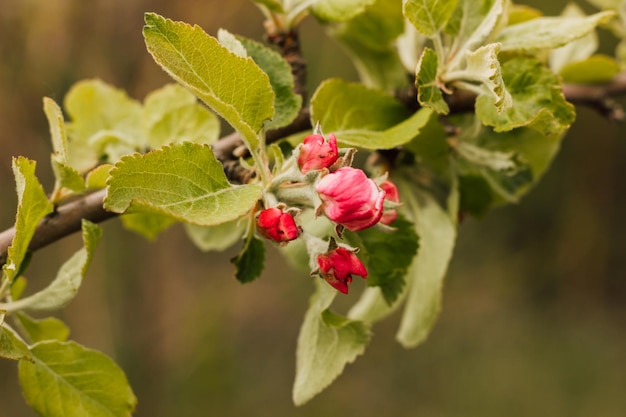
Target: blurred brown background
(534,317)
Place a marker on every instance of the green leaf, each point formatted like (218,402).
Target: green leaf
(68,177)
(272,5)
(538,101)
(431,147)
(149,225)
(105,122)
(364,117)
(66,379)
(11,347)
(182,181)
(234,87)
(65,286)
(57,129)
(369,38)
(429,16)
(43,329)
(387,256)
(250,261)
(327,342)
(32,206)
(575,51)
(549,32)
(436,228)
(339,10)
(595,69)
(519,13)
(97,177)
(428,91)
(286,103)
(216,238)
(172,114)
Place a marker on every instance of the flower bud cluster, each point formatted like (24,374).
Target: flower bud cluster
(319,175)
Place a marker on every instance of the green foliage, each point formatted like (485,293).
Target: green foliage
(428,88)
(11,346)
(250,261)
(66,379)
(595,69)
(429,16)
(218,237)
(39,330)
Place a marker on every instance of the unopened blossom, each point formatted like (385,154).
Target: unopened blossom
(351,199)
(317,153)
(337,266)
(391,194)
(277,225)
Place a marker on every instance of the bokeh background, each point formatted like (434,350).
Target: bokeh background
(534,314)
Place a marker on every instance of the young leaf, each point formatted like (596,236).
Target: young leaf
(67,177)
(67,379)
(65,286)
(172,114)
(327,342)
(97,177)
(43,329)
(217,238)
(537,100)
(32,206)
(549,32)
(182,181)
(57,129)
(428,91)
(339,10)
(149,225)
(429,16)
(437,230)
(250,261)
(11,347)
(575,51)
(286,103)
(595,69)
(234,87)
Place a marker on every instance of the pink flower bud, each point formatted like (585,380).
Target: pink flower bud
(276,225)
(316,153)
(338,265)
(391,194)
(351,199)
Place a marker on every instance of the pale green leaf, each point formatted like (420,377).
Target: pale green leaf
(286,103)
(436,227)
(519,13)
(595,69)
(68,280)
(56,124)
(11,346)
(67,177)
(182,181)
(476,21)
(272,5)
(231,42)
(538,101)
(149,225)
(327,342)
(216,238)
(234,87)
(105,122)
(428,89)
(549,32)
(339,10)
(96,178)
(172,114)
(577,50)
(32,206)
(67,379)
(43,329)
(429,16)
(250,261)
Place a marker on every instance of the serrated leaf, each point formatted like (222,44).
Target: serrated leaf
(38,330)
(549,32)
(234,87)
(595,69)
(250,261)
(436,227)
(387,256)
(216,238)
(182,181)
(32,206)
(326,344)
(172,114)
(149,225)
(104,122)
(575,51)
(68,177)
(428,91)
(67,379)
(339,10)
(11,347)
(65,286)
(364,117)
(538,101)
(286,103)
(429,16)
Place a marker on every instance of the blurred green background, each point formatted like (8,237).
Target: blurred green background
(534,315)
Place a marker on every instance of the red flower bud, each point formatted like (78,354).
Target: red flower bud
(338,265)
(276,225)
(351,199)
(316,153)
(391,194)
